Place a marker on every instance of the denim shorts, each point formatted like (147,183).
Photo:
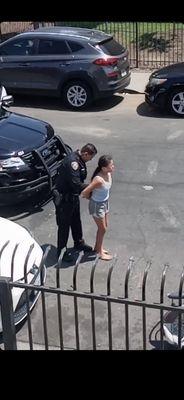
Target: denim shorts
(98,209)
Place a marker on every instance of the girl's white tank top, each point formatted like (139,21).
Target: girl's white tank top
(102,193)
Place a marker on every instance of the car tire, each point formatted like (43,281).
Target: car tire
(77,95)
(176,102)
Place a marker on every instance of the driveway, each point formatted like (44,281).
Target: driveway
(146,213)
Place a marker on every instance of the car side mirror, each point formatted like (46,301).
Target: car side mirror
(7,101)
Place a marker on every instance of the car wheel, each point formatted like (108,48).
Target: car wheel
(77,95)
(176,102)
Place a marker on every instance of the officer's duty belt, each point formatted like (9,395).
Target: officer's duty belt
(68,196)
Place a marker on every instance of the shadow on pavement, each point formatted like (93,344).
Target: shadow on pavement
(144,110)
(22,210)
(50,103)
(132,91)
(52,261)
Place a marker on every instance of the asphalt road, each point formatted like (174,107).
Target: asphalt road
(146,213)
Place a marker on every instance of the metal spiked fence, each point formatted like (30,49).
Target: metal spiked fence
(150,44)
(61,322)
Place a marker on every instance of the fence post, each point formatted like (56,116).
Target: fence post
(137,44)
(35,25)
(8,326)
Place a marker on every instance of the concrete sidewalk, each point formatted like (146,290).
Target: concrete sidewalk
(138,80)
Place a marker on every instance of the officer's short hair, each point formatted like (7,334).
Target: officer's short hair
(89,148)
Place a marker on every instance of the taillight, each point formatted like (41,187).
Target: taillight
(105,62)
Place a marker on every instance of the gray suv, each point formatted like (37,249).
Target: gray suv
(77,64)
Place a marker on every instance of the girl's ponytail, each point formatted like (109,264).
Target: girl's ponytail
(97,170)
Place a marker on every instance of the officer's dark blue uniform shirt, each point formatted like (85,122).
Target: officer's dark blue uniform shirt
(72,174)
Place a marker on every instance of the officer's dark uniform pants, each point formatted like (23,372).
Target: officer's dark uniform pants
(68,215)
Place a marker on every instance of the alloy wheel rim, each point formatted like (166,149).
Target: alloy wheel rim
(76,96)
(178,103)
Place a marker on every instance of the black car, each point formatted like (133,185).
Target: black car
(30,155)
(76,64)
(165,89)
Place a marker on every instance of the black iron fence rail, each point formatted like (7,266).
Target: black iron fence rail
(150,44)
(7,313)
(101,297)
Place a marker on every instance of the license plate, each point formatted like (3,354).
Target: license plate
(123,73)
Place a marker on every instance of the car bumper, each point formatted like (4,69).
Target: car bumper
(17,193)
(122,84)
(155,97)
(114,86)
(36,175)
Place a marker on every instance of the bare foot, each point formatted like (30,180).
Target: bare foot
(103,251)
(106,257)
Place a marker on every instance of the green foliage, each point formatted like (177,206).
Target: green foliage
(152,42)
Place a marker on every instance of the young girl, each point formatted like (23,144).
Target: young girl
(98,194)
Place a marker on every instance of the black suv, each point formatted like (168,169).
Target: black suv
(30,155)
(77,64)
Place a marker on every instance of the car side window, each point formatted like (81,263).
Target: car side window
(47,46)
(21,47)
(74,46)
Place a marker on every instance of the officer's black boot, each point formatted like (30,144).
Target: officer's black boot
(81,245)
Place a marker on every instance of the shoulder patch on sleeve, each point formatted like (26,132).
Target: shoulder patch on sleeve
(75,165)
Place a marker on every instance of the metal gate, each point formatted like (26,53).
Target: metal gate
(67,321)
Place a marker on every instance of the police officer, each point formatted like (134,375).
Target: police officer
(69,185)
